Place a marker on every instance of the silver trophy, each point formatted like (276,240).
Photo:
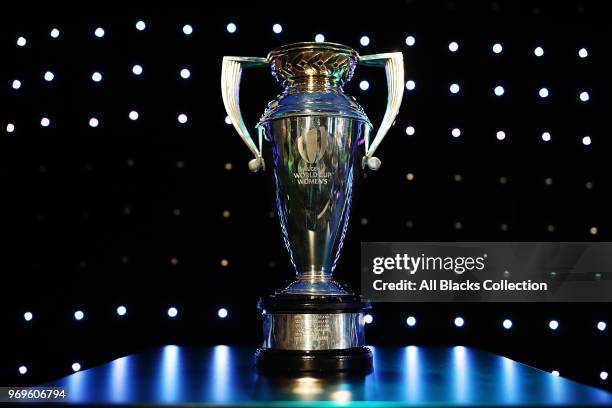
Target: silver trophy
(315,130)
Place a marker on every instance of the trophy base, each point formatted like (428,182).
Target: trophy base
(313,333)
(355,360)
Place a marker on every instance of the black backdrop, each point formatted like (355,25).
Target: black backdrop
(152,213)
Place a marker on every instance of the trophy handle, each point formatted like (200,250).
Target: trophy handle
(231,71)
(394,68)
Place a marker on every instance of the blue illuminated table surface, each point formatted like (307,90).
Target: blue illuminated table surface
(406,376)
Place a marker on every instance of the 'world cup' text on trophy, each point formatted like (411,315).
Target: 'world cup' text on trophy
(316,132)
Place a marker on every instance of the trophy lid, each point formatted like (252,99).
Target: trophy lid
(314,74)
(331,62)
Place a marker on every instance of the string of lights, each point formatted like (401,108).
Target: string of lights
(411,321)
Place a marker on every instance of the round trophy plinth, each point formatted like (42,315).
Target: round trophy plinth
(356,360)
(313,333)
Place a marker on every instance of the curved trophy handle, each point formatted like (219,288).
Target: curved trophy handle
(394,68)
(231,71)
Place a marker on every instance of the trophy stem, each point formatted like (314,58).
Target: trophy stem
(315,283)
(314,276)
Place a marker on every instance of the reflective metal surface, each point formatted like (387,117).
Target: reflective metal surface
(315,130)
(231,73)
(313,331)
(310,63)
(402,376)
(314,159)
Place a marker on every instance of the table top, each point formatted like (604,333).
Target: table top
(402,376)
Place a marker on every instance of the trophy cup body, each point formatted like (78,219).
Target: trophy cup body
(315,131)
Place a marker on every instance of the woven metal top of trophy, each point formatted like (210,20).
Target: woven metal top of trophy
(327,61)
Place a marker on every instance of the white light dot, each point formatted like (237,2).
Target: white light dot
(185,73)
(538,51)
(507,324)
(546,136)
(584,96)
(454,88)
(49,76)
(10,127)
(222,313)
(499,90)
(410,41)
(277,28)
(365,40)
(76,367)
(603,375)
(54,33)
(16,84)
(410,85)
(368,319)
(23,370)
(121,310)
(543,92)
(555,373)
(601,326)
(182,118)
(45,122)
(93,122)
(453,46)
(133,115)
(410,130)
(497,48)
(364,85)
(99,32)
(456,132)
(553,325)
(228,121)
(27,316)
(96,77)
(21,41)
(583,53)
(593,230)
(137,69)
(79,315)
(319,38)
(586,140)
(187,29)
(411,321)
(141,25)
(501,135)
(459,322)
(172,312)
(231,28)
